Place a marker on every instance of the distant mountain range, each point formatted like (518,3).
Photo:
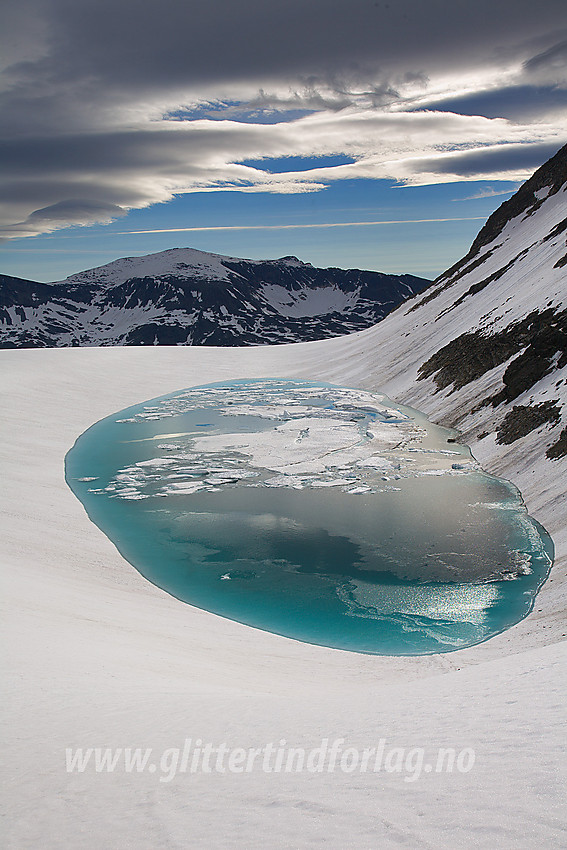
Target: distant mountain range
(189,297)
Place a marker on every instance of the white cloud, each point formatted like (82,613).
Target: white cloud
(149,164)
(90,83)
(310,226)
(488,193)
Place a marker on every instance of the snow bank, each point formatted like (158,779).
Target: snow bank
(98,657)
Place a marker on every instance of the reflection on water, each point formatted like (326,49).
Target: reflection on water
(322,513)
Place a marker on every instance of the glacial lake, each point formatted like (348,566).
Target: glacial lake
(326,514)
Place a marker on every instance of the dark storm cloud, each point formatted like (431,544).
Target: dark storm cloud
(494,159)
(136,44)
(514,102)
(122,150)
(77,210)
(87,84)
(554,58)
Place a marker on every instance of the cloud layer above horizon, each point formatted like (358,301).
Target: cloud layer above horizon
(112,106)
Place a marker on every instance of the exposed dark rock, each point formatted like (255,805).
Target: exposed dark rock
(558,449)
(523,419)
(467,357)
(559,228)
(15,291)
(154,334)
(548,340)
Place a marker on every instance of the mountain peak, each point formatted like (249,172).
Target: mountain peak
(182,262)
(290,260)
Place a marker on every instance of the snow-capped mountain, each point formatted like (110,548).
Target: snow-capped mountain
(189,297)
(485,348)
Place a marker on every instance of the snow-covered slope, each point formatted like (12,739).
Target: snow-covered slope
(187,297)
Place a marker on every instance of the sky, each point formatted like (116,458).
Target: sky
(350,133)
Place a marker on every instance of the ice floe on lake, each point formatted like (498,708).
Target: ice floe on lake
(285,434)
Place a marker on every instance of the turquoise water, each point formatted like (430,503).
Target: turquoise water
(321,513)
